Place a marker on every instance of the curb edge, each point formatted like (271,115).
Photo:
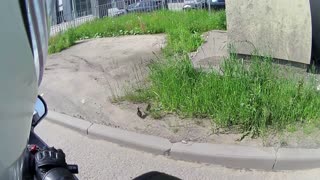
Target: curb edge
(233,156)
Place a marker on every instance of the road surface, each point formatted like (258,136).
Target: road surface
(98,159)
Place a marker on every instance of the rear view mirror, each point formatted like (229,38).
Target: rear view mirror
(40,111)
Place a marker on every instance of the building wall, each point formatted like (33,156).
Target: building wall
(280,28)
(315,5)
(82,7)
(67,10)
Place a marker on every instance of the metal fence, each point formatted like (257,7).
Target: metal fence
(63,21)
(65,25)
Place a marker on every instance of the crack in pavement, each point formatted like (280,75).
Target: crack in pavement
(276,157)
(87,131)
(168,151)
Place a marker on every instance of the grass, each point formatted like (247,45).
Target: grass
(253,97)
(61,41)
(183,29)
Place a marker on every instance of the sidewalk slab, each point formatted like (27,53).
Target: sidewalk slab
(68,121)
(226,155)
(151,144)
(293,159)
(212,52)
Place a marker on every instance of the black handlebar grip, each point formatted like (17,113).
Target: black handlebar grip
(73,168)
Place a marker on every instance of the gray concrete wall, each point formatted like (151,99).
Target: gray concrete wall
(280,28)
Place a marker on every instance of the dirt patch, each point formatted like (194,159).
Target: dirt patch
(81,80)
(178,129)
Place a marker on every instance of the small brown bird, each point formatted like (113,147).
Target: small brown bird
(139,113)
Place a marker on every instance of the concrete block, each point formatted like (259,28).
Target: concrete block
(278,28)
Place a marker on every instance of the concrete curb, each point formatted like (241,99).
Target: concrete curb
(227,155)
(291,159)
(68,121)
(151,144)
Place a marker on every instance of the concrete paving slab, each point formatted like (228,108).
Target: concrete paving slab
(212,52)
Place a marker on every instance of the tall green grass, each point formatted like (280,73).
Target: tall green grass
(183,28)
(252,96)
(62,41)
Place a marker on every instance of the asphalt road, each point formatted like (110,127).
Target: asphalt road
(98,159)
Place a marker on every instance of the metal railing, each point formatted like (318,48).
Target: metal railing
(64,25)
(62,22)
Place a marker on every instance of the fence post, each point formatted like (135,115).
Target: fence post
(162,4)
(209,5)
(74,19)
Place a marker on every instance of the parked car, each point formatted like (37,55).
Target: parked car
(112,12)
(194,4)
(216,4)
(203,4)
(144,6)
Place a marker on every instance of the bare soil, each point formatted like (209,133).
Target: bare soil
(81,81)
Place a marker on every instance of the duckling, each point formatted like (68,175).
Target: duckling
(139,113)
